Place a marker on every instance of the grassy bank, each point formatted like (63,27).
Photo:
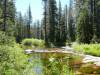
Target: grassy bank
(92,49)
(32,43)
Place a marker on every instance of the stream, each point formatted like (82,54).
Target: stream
(61,64)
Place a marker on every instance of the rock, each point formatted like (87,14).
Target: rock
(67,48)
(28,51)
(87,69)
(97,63)
(91,59)
(90,69)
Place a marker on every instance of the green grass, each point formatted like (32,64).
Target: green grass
(92,49)
(33,43)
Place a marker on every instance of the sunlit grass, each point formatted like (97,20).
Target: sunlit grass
(33,43)
(92,49)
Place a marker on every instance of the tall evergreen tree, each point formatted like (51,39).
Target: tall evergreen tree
(8,12)
(64,28)
(35,30)
(66,21)
(45,22)
(84,28)
(52,19)
(29,21)
(94,19)
(19,28)
(98,18)
(5,15)
(38,30)
(1,15)
(71,24)
(63,31)
(58,26)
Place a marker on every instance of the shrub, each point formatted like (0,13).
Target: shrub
(13,61)
(29,43)
(6,40)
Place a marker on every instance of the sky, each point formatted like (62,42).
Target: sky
(36,7)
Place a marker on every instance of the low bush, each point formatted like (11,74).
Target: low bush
(29,43)
(13,61)
(6,40)
(92,49)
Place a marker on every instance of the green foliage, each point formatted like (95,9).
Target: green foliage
(57,66)
(29,21)
(84,30)
(71,25)
(51,20)
(9,16)
(13,61)
(5,39)
(33,43)
(88,21)
(98,3)
(11,58)
(93,49)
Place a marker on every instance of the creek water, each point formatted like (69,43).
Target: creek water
(53,64)
(61,64)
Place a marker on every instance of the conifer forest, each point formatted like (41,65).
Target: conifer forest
(65,41)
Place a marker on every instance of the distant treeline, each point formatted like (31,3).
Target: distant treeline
(78,21)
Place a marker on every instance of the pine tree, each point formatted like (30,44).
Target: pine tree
(58,26)
(94,19)
(61,27)
(35,30)
(63,31)
(66,21)
(45,22)
(19,34)
(64,28)
(29,21)
(1,15)
(98,19)
(84,28)
(71,24)
(52,20)
(38,30)
(42,30)
(5,15)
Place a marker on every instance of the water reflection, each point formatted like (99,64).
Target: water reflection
(51,64)
(61,64)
